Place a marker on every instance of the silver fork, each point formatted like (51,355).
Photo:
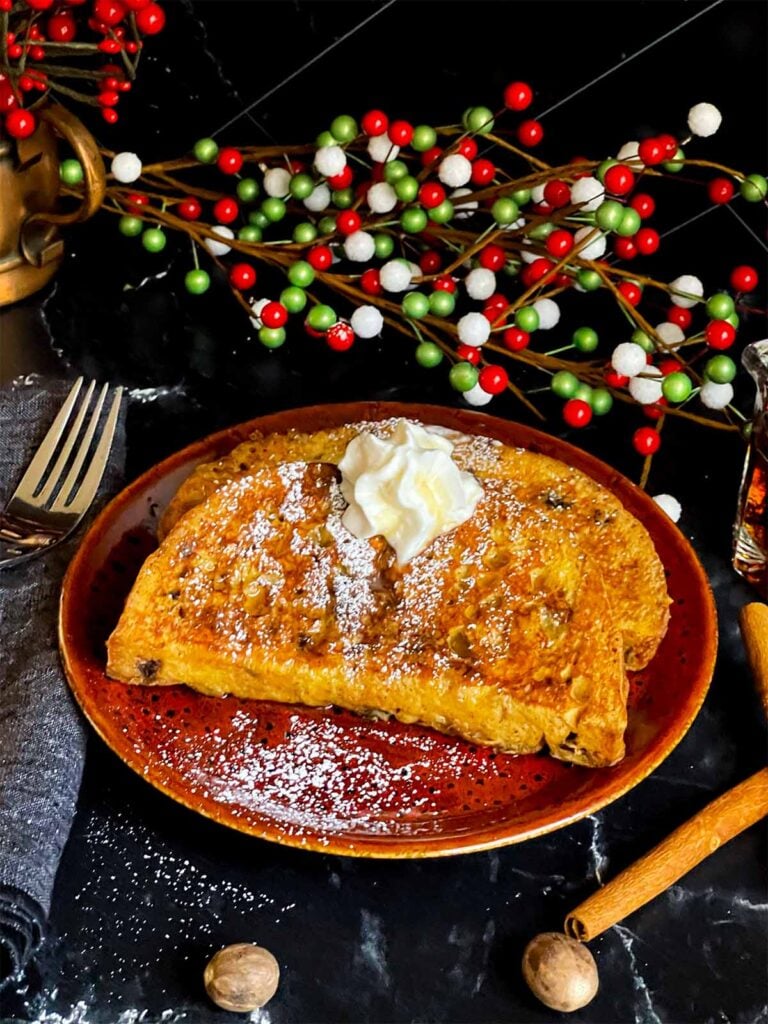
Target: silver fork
(43,509)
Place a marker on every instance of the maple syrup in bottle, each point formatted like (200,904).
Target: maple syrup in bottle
(750,535)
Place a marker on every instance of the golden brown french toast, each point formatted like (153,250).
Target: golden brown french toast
(620,544)
(501,631)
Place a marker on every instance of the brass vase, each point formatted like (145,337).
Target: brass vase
(31,247)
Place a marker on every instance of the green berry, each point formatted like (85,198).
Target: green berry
(601,401)
(676,387)
(413,220)
(273,209)
(589,280)
(304,232)
(442,303)
(71,172)
(415,305)
(521,196)
(734,320)
(720,369)
(384,245)
(205,150)
(197,282)
(754,188)
(584,393)
(675,165)
(720,305)
(325,139)
(463,376)
(321,317)
(130,226)
(154,240)
(258,220)
(541,232)
(272,337)
(585,339)
(527,319)
(608,215)
(294,299)
(301,185)
(301,274)
(442,213)
(424,138)
(505,210)
(630,222)
(343,198)
(394,170)
(249,233)
(327,225)
(603,167)
(564,384)
(344,128)
(478,119)
(641,338)
(248,190)
(406,188)
(428,354)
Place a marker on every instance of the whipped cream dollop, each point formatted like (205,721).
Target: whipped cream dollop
(406,488)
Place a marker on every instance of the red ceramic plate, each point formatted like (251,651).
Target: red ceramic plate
(324,779)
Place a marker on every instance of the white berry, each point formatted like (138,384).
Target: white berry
(359,247)
(627,152)
(595,248)
(318,199)
(276,181)
(628,359)
(476,396)
(716,396)
(473,329)
(670,335)
(588,193)
(480,283)
(381,150)
(670,505)
(686,290)
(704,119)
(256,307)
(647,389)
(219,248)
(367,322)
(537,194)
(455,170)
(466,209)
(549,313)
(382,197)
(126,167)
(395,276)
(330,161)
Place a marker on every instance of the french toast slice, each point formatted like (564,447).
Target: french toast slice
(617,541)
(501,631)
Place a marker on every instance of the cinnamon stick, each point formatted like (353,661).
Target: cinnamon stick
(753,619)
(718,822)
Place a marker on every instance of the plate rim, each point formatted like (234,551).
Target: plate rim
(217,443)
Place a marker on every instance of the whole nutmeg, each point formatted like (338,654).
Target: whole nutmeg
(242,977)
(561,972)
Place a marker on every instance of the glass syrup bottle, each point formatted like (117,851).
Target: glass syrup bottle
(750,535)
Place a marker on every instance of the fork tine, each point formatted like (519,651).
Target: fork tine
(66,449)
(84,447)
(37,467)
(87,490)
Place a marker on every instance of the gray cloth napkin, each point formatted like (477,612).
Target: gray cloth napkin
(42,735)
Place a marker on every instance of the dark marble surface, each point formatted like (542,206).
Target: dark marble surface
(147,891)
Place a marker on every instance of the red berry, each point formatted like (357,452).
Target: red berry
(61,27)
(311,330)
(744,279)
(36,53)
(110,46)
(7,96)
(467,147)
(493,379)
(25,83)
(655,412)
(39,5)
(136,5)
(444,284)
(340,336)
(189,208)
(577,413)
(400,133)
(518,96)
(668,143)
(536,271)
(20,124)
(230,160)
(625,248)
(274,314)
(348,221)
(226,210)
(619,179)
(515,339)
(483,172)
(492,257)
(652,152)
(530,133)
(109,114)
(131,46)
(109,12)
(342,180)
(646,441)
(647,241)
(614,379)
(720,334)
(720,190)
(495,306)
(469,353)
(6,5)
(430,261)
(644,204)
(431,194)
(150,19)
(375,122)
(559,243)
(631,291)
(370,283)
(431,156)
(242,276)
(557,194)
(680,316)
(108,99)
(320,257)
(670,365)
